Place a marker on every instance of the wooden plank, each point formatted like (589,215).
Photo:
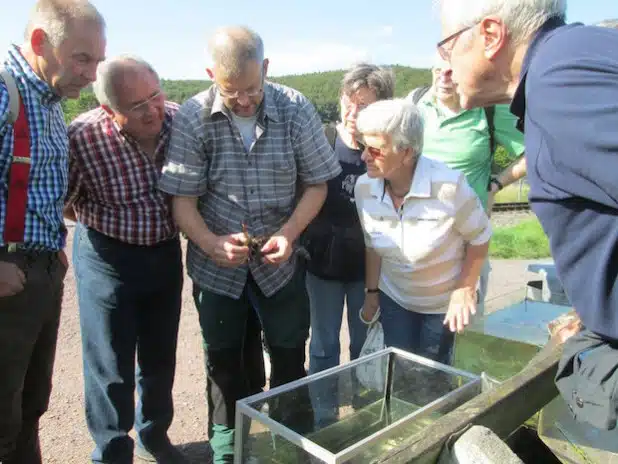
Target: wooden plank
(502,409)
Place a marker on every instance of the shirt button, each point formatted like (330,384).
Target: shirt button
(579,402)
(252,191)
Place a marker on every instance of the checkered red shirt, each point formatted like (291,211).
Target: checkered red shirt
(113,184)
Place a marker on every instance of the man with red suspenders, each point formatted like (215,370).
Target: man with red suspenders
(65,41)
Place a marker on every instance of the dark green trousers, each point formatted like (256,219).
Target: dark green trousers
(284,319)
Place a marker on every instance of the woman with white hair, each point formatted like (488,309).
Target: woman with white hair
(426,234)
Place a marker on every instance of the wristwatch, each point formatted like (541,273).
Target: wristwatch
(496,182)
(372,290)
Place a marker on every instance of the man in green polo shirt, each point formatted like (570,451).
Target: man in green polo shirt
(461,139)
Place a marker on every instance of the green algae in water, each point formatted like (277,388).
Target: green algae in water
(270,448)
(497,357)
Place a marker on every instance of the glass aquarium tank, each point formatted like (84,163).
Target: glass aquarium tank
(337,416)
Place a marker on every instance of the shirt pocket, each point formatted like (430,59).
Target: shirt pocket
(279,179)
(425,234)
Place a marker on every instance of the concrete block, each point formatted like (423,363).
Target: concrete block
(479,445)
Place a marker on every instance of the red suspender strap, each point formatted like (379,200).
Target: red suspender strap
(17,201)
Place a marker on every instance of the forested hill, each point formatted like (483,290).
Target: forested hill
(321,88)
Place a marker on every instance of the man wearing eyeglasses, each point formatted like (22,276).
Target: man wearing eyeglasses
(562,82)
(127,260)
(236,153)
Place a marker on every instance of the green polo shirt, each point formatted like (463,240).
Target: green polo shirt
(461,141)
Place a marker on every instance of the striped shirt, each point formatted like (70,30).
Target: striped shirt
(423,244)
(113,183)
(207,159)
(48,151)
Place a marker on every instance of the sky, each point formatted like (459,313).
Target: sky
(299,36)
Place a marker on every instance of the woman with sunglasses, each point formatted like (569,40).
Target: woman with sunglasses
(426,235)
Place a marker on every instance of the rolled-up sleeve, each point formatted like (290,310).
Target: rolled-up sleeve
(315,158)
(470,218)
(186,162)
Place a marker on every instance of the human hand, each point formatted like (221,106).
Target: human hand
(229,250)
(12,279)
(461,305)
(370,307)
(277,249)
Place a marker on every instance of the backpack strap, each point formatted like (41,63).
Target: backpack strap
(418,93)
(490,112)
(14,99)
(330,130)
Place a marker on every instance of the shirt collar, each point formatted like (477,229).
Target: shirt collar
(267,108)
(421,182)
(518,105)
(19,64)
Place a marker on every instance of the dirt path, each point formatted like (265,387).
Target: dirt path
(64,436)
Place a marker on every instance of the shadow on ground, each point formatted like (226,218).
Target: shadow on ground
(197,452)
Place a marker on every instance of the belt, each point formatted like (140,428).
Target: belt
(25,250)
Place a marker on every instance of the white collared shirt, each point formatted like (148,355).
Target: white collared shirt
(422,244)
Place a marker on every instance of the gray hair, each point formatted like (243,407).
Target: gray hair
(104,86)
(232,47)
(521,17)
(399,118)
(380,80)
(610,23)
(56,16)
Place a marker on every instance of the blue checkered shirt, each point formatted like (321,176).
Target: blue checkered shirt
(206,158)
(49,144)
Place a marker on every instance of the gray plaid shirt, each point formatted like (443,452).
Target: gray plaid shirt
(206,158)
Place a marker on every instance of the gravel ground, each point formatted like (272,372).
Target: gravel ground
(510,218)
(64,436)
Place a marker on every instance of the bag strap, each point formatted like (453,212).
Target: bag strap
(14,99)
(418,93)
(330,130)
(490,112)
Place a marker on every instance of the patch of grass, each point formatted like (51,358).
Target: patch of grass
(511,193)
(526,240)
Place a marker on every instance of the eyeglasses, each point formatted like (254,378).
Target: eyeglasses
(251,93)
(445,53)
(144,106)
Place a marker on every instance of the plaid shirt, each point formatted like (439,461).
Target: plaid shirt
(49,156)
(113,183)
(207,159)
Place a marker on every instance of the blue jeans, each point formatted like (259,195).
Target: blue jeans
(417,333)
(129,304)
(326,300)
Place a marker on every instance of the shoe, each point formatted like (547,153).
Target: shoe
(166,455)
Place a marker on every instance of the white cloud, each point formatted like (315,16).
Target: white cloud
(387,31)
(302,57)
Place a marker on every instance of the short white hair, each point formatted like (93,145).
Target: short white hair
(521,17)
(55,17)
(104,87)
(399,118)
